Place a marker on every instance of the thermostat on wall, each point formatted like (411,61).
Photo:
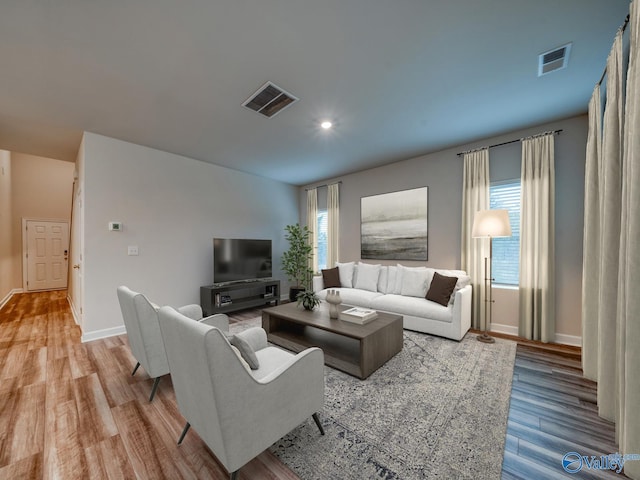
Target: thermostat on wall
(115,226)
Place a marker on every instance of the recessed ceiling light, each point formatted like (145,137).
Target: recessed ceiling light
(326,125)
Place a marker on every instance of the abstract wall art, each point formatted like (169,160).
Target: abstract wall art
(394,226)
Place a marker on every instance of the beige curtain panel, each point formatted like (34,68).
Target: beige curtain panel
(628,324)
(333,224)
(611,269)
(312,225)
(610,211)
(537,232)
(475,197)
(629,300)
(591,242)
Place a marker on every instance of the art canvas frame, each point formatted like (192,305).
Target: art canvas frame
(395,226)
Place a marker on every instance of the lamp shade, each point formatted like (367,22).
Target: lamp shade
(491,223)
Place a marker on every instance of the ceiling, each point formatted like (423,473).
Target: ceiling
(397,78)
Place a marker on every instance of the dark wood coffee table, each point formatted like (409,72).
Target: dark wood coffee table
(358,350)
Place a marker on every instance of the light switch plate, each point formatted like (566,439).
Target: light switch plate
(115,226)
(132,250)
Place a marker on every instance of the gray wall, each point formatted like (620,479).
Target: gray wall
(442,173)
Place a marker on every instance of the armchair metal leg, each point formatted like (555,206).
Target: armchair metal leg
(154,388)
(184,432)
(234,475)
(317,420)
(135,369)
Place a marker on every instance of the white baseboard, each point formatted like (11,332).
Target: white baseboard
(572,340)
(74,312)
(561,338)
(98,334)
(6,299)
(506,329)
(8,296)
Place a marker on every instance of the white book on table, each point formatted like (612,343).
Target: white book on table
(358,315)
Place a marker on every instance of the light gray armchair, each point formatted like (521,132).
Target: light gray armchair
(239,412)
(143,331)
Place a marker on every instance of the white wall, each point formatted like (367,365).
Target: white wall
(77,241)
(40,188)
(171,207)
(442,173)
(6,268)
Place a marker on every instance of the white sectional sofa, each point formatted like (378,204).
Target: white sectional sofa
(402,290)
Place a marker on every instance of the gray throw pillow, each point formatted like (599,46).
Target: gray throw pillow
(245,350)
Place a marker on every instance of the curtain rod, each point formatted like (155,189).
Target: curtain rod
(555,132)
(623,28)
(323,185)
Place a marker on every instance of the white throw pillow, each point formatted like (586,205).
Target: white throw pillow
(397,285)
(463,281)
(451,273)
(392,274)
(415,282)
(392,271)
(345,270)
(383,279)
(367,278)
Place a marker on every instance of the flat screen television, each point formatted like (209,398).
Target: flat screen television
(236,259)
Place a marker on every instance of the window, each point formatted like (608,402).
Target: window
(505,267)
(321,232)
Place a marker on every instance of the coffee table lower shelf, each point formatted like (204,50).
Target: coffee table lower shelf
(340,352)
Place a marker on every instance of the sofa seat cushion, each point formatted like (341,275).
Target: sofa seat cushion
(353,296)
(413,306)
(270,358)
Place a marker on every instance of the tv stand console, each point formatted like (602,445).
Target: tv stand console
(230,297)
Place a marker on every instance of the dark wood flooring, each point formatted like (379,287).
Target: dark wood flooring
(553,411)
(71,410)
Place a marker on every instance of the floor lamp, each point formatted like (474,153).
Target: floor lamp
(489,224)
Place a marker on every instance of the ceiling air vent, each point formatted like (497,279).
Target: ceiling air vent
(269,100)
(553,60)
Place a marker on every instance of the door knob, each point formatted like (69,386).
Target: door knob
(77,265)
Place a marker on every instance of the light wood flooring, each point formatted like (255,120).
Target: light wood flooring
(71,410)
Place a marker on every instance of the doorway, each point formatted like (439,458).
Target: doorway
(45,254)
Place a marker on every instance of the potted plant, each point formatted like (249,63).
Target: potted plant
(308,299)
(295,261)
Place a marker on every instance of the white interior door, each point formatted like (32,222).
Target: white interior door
(47,254)
(76,248)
